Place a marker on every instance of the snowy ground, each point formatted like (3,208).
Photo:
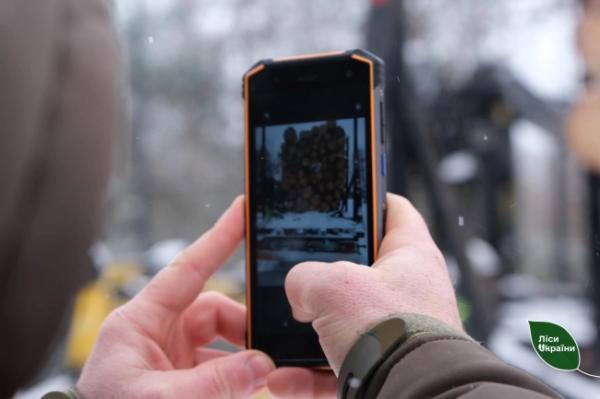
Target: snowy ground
(306,236)
(308,220)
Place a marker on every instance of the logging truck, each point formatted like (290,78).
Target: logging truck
(312,207)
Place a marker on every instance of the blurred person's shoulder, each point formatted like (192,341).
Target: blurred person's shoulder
(582,128)
(60,112)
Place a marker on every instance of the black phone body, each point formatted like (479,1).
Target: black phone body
(315,183)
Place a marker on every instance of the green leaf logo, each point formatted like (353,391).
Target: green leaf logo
(554,345)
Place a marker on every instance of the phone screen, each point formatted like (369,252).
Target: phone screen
(310,173)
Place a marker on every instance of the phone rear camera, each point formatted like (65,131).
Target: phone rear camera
(349,74)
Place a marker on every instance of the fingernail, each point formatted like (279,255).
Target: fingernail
(259,367)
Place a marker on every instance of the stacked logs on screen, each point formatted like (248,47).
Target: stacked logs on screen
(314,168)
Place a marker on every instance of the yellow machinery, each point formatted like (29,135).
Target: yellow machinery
(93,304)
(96,300)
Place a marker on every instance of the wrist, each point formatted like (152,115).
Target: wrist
(371,350)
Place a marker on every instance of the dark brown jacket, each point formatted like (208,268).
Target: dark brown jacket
(60,110)
(437,362)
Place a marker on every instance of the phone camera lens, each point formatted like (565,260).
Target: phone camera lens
(349,74)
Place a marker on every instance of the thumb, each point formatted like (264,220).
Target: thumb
(314,287)
(338,298)
(238,375)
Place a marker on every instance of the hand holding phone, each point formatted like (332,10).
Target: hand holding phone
(344,300)
(315,183)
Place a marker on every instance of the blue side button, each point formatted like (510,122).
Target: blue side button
(383,164)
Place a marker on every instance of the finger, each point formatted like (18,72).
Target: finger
(238,375)
(295,382)
(214,315)
(312,286)
(404,225)
(177,285)
(202,355)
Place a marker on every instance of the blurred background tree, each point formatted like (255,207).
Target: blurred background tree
(180,161)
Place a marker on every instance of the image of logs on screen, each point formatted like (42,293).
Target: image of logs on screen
(314,168)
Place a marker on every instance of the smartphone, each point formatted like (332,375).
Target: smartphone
(315,169)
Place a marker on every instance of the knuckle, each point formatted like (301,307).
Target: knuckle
(118,321)
(111,330)
(430,254)
(205,335)
(180,259)
(112,323)
(426,252)
(212,298)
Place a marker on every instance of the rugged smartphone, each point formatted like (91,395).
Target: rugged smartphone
(315,183)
